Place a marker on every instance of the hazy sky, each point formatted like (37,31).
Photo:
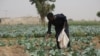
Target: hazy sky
(76,9)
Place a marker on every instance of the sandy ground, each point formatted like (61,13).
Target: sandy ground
(96,41)
(13,51)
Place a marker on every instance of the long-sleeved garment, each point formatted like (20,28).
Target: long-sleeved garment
(59,22)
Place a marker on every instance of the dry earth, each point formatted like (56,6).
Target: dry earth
(13,51)
(96,41)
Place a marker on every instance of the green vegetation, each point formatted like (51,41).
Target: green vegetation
(84,23)
(40,31)
(32,37)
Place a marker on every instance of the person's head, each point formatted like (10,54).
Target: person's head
(50,16)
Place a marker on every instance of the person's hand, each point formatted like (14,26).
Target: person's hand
(48,35)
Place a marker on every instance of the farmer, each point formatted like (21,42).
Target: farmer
(59,21)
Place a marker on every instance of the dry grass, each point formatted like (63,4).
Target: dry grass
(21,20)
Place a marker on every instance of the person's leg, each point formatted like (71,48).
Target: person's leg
(69,44)
(58,46)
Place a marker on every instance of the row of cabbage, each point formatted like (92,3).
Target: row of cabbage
(84,30)
(40,31)
(40,47)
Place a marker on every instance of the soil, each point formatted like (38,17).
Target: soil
(96,41)
(15,50)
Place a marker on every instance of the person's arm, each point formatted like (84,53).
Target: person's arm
(49,28)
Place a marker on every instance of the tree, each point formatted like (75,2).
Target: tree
(0,20)
(98,14)
(43,7)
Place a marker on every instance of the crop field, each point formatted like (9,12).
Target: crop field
(85,40)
